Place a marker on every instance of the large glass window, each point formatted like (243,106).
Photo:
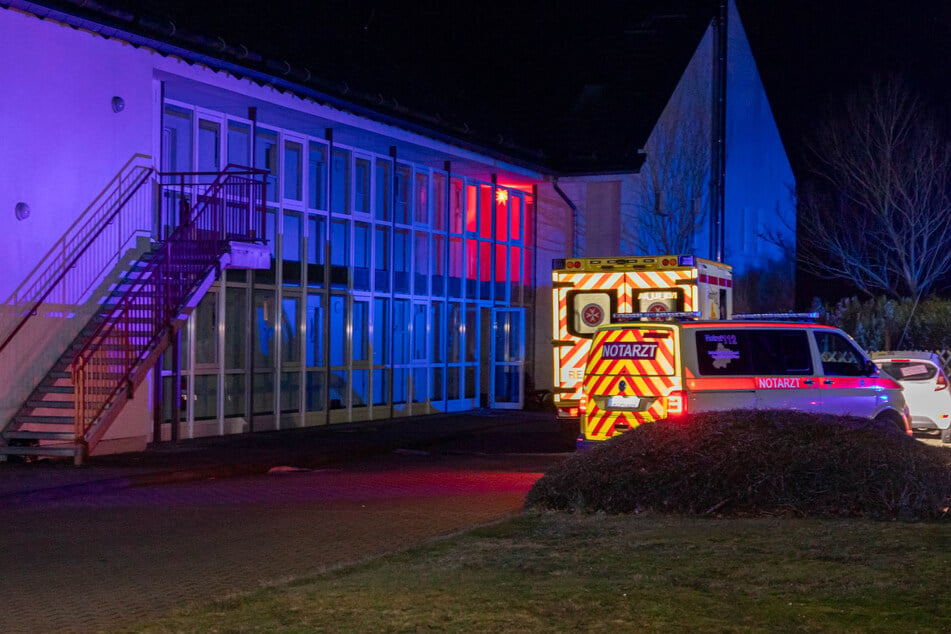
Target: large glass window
(401,261)
(340,182)
(291,248)
(338,325)
(264,320)
(382,259)
(209,146)
(316,176)
(316,243)
(239,144)
(421,198)
(404,185)
(340,253)
(290,329)
(361,185)
(360,331)
(384,189)
(177,139)
(206,330)
(361,256)
(315,330)
(236,307)
(293,155)
(420,312)
(266,157)
(421,259)
(381,330)
(439,201)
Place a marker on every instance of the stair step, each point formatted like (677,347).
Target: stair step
(28,419)
(38,435)
(39,450)
(38,404)
(55,389)
(60,374)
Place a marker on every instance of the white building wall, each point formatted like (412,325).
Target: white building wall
(61,140)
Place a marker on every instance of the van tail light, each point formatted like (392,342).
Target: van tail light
(942,383)
(583,404)
(676,403)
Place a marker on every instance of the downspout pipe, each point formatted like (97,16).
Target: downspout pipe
(574,216)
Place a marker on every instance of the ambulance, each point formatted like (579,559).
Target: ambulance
(646,371)
(587,291)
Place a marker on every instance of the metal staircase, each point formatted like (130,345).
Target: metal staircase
(132,308)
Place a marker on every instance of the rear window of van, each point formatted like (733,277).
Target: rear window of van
(729,352)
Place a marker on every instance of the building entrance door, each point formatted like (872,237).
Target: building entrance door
(507,387)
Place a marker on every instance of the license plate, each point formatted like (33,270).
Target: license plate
(625,402)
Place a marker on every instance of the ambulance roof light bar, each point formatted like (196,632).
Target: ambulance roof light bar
(625,317)
(790,316)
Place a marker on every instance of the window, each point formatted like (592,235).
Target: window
(381,267)
(401,261)
(340,253)
(421,269)
(361,186)
(290,329)
(384,189)
(292,170)
(209,146)
(340,182)
(291,248)
(839,356)
(316,243)
(239,144)
(315,330)
(361,256)
(403,186)
(421,199)
(455,206)
(177,140)
(266,157)
(439,202)
(753,352)
(317,176)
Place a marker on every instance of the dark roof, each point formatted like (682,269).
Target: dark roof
(571,87)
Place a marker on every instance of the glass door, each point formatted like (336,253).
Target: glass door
(508,358)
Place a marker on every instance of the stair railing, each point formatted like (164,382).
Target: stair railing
(198,219)
(88,249)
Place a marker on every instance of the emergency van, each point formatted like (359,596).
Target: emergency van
(646,371)
(587,291)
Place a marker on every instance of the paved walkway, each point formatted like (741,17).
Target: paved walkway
(249,454)
(130,537)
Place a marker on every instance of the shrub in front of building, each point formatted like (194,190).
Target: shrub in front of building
(756,463)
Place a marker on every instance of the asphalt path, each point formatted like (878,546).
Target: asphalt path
(104,561)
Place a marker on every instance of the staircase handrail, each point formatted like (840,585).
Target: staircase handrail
(53,267)
(158,269)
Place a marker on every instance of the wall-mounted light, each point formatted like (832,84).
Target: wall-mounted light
(22,211)
(118,104)
(501,196)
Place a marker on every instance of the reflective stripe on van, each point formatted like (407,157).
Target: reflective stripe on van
(631,371)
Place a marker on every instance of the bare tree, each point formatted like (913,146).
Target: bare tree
(878,212)
(673,189)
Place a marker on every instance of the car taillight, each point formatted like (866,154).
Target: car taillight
(583,404)
(942,383)
(676,404)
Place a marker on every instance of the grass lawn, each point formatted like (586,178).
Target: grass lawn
(547,571)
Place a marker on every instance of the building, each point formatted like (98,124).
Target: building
(404,263)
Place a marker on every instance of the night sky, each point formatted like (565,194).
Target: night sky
(536,66)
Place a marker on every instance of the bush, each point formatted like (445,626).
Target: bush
(888,324)
(749,462)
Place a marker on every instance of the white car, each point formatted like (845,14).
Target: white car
(925,385)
